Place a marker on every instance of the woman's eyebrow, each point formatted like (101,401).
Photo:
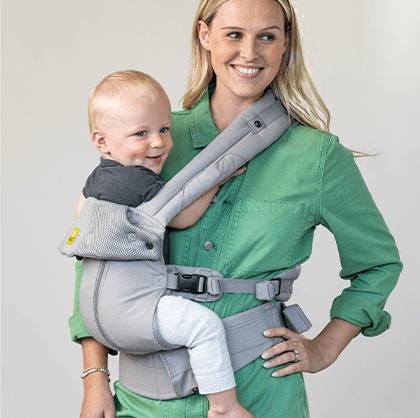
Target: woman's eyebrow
(239,28)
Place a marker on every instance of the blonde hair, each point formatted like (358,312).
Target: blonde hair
(112,92)
(293,83)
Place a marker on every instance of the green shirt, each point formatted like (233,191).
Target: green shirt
(263,223)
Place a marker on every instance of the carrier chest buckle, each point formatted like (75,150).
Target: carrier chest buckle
(192,283)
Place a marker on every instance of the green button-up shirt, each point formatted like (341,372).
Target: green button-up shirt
(262,223)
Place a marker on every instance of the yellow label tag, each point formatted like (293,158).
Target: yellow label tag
(73,236)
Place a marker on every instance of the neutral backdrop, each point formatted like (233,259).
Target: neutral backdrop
(364,58)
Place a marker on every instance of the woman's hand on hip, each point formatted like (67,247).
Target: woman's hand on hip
(302,354)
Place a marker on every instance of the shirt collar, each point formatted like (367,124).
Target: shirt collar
(203,130)
(109,163)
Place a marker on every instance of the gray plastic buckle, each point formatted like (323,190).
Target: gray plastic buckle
(192,283)
(295,319)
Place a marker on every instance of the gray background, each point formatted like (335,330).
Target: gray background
(363,55)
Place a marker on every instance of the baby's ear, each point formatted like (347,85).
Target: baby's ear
(99,141)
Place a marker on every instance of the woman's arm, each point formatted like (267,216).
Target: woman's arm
(313,355)
(97,399)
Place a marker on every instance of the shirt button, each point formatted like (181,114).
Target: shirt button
(208,245)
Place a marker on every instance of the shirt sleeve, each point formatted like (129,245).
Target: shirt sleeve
(77,327)
(368,254)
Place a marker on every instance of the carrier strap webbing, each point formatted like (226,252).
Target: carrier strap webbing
(255,129)
(206,285)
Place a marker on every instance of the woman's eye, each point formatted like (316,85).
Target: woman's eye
(235,35)
(141,133)
(267,37)
(164,130)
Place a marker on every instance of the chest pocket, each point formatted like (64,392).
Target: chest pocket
(262,235)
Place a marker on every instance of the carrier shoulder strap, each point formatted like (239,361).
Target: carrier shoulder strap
(254,130)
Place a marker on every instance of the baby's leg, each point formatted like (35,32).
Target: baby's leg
(186,323)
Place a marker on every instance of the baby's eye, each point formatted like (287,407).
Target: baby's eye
(141,133)
(235,35)
(164,130)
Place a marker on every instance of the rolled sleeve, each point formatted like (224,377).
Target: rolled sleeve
(368,254)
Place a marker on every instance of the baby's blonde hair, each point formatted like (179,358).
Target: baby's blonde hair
(110,94)
(293,84)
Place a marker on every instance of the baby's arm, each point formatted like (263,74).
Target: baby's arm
(79,204)
(192,213)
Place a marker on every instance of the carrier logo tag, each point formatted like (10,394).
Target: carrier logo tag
(73,236)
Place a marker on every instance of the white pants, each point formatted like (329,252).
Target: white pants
(186,323)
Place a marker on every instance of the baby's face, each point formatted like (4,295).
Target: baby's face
(139,133)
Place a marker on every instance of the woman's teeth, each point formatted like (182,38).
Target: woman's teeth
(244,70)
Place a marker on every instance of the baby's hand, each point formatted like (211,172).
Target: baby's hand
(236,412)
(79,205)
(238,172)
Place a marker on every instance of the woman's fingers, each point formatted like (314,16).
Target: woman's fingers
(292,351)
(286,333)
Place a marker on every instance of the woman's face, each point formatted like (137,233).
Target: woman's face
(246,40)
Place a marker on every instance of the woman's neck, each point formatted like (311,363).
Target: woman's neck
(225,108)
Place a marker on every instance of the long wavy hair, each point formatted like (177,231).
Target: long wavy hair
(293,83)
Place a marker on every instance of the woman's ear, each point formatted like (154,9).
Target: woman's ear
(286,44)
(99,141)
(203,33)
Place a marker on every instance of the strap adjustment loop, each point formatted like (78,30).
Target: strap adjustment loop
(267,290)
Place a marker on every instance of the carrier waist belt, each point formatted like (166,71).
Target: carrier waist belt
(167,374)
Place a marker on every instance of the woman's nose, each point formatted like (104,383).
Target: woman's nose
(249,50)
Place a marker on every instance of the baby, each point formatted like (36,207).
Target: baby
(130,121)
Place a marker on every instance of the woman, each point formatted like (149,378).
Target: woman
(263,222)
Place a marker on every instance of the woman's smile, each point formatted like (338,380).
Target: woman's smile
(247,71)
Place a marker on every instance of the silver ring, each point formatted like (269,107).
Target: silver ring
(297,356)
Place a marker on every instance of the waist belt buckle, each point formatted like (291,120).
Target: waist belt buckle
(192,283)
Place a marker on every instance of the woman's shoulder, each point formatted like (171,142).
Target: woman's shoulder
(181,119)
(181,114)
(308,135)
(303,137)
(313,146)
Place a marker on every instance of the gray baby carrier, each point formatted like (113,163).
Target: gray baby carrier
(123,263)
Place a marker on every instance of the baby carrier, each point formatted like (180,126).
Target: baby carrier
(122,251)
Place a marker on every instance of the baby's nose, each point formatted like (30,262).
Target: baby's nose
(157,141)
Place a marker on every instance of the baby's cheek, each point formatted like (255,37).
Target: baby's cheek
(139,151)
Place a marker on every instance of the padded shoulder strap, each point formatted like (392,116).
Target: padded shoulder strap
(256,128)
